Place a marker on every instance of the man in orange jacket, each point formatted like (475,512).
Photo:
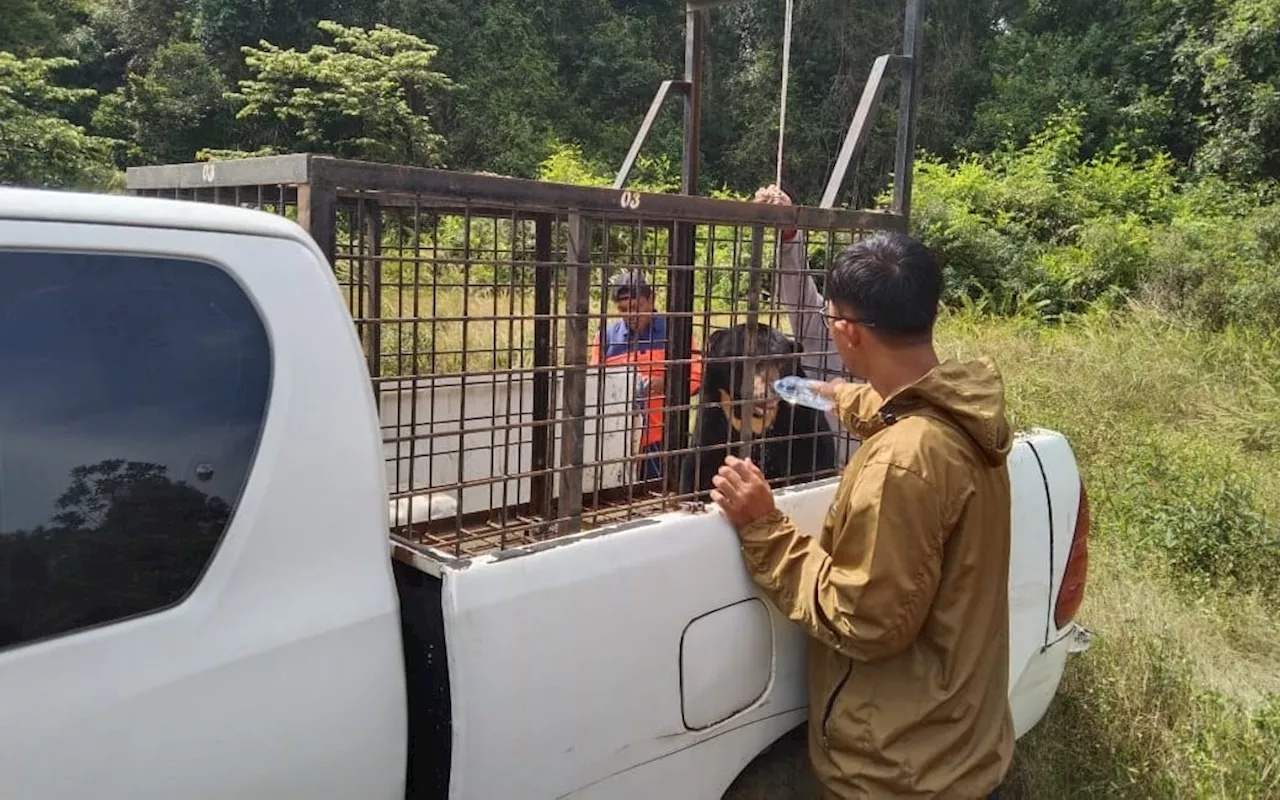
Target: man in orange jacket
(639,338)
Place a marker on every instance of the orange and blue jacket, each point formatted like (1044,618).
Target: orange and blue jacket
(651,363)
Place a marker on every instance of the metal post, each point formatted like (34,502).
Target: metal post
(680,284)
(650,117)
(695,46)
(904,161)
(573,414)
(855,141)
(544,274)
(317,211)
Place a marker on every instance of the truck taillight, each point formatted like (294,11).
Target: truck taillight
(1071,593)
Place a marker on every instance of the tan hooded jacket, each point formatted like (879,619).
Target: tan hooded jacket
(906,593)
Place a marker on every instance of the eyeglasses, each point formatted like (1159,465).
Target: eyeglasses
(829,319)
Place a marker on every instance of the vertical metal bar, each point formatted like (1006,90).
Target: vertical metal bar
(491,360)
(642,254)
(680,279)
(357,234)
(317,209)
(904,161)
(573,414)
(373,272)
(398,370)
(432,366)
(543,275)
(680,292)
(708,302)
(748,374)
(603,409)
(464,358)
(695,45)
(515,375)
(397,282)
(409,377)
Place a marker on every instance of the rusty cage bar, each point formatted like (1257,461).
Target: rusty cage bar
(480,300)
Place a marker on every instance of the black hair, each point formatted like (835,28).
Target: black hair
(630,284)
(890,282)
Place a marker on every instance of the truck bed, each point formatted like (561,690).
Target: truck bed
(671,644)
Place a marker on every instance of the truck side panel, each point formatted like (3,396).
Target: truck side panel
(1038,655)
(1028,569)
(585,684)
(588,691)
(1058,463)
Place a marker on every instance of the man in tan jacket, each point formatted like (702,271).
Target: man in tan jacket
(905,590)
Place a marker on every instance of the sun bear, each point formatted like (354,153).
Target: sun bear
(790,443)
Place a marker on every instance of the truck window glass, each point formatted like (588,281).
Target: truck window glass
(132,395)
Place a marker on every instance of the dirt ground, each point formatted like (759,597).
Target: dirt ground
(781,773)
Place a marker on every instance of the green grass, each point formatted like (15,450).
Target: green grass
(1176,433)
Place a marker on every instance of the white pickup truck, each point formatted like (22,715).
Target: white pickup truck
(199,596)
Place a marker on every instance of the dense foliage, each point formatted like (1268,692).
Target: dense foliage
(38,144)
(1048,227)
(1072,152)
(1197,79)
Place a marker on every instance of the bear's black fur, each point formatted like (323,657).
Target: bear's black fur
(810,455)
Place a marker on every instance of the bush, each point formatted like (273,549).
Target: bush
(1037,225)
(1201,516)
(1219,269)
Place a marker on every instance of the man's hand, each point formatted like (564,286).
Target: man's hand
(829,389)
(773,195)
(742,492)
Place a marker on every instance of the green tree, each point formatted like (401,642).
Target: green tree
(140,28)
(37,27)
(174,110)
(1199,79)
(226,26)
(835,43)
(514,97)
(367,96)
(1236,58)
(38,145)
(533,73)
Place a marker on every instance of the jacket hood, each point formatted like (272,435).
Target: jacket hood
(971,393)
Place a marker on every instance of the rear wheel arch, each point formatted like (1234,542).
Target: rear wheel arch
(781,771)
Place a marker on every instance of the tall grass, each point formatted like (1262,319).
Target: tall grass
(1175,432)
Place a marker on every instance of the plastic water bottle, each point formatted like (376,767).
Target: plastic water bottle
(799,391)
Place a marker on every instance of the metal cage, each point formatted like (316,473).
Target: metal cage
(479,300)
